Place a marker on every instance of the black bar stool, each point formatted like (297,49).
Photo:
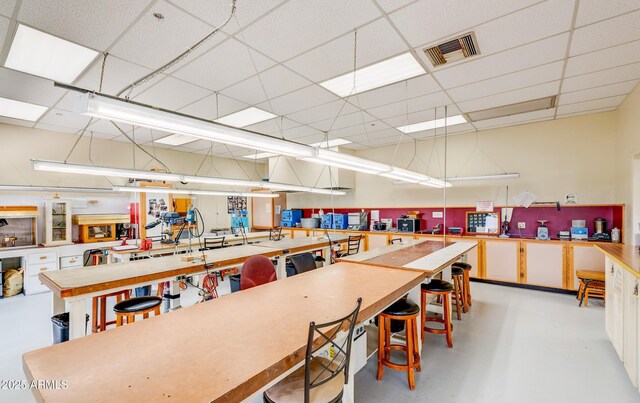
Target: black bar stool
(442,289)
(466,283)
(407,311)
(136,306)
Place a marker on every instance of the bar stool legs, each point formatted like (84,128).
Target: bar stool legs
(467,291)
(99,310)
(442,289)
(458,292)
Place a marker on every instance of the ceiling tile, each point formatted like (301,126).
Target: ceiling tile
(215,13)
(322,112)
(206,108)
(531,24)
(73,20)
(15,122)
(596,10)
(455,129)
(4,27)
(509,82)
(298,132)
(391,5)
(277,81)
(223,65)
(152,42)
(523,57)
(606,33)
(6,7)
(299,100)
(171,94)
(304,24)
(604,77)
(106,127)
(511,97)
(27,88)
(58,117)
(144,135)
(603,59)
(118,74)
(412,88)
(597,92)
(60,129)
(342,121)
(421,116)
(566,115)
(591,105)
(376,41)
(515,119)
(428,21)
(412,105)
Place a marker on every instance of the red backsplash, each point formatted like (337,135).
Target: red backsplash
(456,216)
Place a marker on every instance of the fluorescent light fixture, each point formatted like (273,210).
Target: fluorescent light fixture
(21,110)
(484,177)
(57,189)
(259,156)
(246,117)
(331,143)
(142,189)
(176,139)
(432,124)
(413,177)
(47,56)
(53,166)
(134,113)
(346,161)
(386,72)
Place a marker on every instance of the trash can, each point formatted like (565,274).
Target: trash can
(234,282)
(61,327)
(144,291)
(319,261)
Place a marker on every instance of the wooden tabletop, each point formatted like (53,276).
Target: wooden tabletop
(221,350)
(430,257)
(301,244)
(73,282)
(626,255)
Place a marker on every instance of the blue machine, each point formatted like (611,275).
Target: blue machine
(239,219)
(340,221)
(290,218)
(327,221)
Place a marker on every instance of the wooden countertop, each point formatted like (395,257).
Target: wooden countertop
(299,244)
(626,255)
(73,282)
(221,350)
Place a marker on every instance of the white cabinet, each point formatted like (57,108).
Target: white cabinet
(58,222)
(544,264)
(608,297)
(617,307)
(37,263)
(630,332)
(502,260)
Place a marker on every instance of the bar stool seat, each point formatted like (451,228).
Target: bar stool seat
(462,265)
(407,311)
(466,284)
(136,306)
(439,288)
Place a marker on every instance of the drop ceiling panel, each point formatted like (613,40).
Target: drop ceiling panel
(523,57)
(70,130)
(595,10)
(516,119)
(216,12)
(423,85)
(597,92)
(299,100)
(118,74)
(27,88)
(521,79)
(58,117)
(604,59)
(412,105)
(342,121)
(421,116)
(277,81)
(511,97)
(172,94)
(106,127)
(604,77)
(224,65)
(591,105)
(144,135)
(197,145)
(455,129)
(359,129)
(16,122)
(540,21)
(206,108)
(566,115)
(4,27)
(606,33)
(298,132)
(428,21)
(153,42)
(376,41)
(6,7)
(322,112)
(391,5)
(305,24)
(73,20)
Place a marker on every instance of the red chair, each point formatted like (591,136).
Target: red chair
(257,270)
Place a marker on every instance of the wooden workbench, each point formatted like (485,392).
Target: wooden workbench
(223,350)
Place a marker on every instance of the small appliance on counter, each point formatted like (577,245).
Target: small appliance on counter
(388,222)
(600,230)
(455,230)
(358,221)
(327,221)
(340,221)
(408,224)
(543,231)
(310,223)
(564,235)
(615,235)
(579,233)
(290,218)
(378,226)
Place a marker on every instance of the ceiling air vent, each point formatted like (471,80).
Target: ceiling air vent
(453,50)
(513,109)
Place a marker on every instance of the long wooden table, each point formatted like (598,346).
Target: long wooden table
(223,350)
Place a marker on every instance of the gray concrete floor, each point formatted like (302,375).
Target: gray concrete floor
(513,346)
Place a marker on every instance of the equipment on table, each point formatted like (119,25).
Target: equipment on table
(615,235)
(600,229)
(408,224)
(564,235)
(310,223)
(146,244)
(455,230)
(388,222)
(543,230)
(358,221)
(290,218)
(379,226)
(579,233)
(340,221)
(327,221)
(239,219)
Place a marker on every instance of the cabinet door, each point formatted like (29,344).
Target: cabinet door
(502,260)
(630,336)
(377,240)
(585,258)
(617,310)
(608,297)
(544,264)
(472,259)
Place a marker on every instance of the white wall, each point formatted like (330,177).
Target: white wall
(554,158)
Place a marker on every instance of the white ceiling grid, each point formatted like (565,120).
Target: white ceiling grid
(296,44)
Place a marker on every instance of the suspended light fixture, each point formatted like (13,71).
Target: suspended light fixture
(484,177)
(55,189)
(141,189)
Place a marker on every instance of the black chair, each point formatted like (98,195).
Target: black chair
(303,262)
(320,379)
(353,245)
(213,243)
(275,234)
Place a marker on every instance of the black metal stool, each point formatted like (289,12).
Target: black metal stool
(442,289)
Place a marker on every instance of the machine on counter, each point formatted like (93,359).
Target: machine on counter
(358,221)
(290,218)
(600,230)
(335,221)
(408,224)
(543,231)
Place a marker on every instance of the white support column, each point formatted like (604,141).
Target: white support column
(174,295)
(77,318)
(281,268)
(57,304)
(326,251)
